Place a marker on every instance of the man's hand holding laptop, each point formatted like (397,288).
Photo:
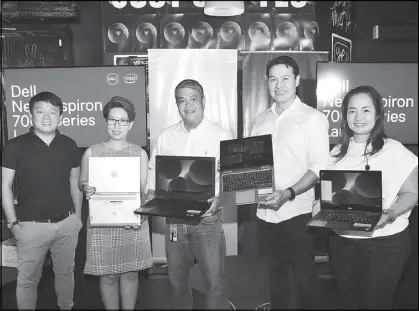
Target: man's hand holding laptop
(149,196)
(214,208)
(275,200)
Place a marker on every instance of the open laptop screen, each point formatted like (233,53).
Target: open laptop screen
(185,175)
(351,190)
(246,152)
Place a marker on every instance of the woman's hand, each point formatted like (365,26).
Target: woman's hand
(88,190)
(388,216)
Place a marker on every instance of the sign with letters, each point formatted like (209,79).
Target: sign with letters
(84,92)
(399,96)
(341,49)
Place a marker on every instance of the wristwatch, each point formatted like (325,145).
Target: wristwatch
(10,225)
(292,193)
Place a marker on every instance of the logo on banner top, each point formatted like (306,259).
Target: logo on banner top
(130,78)
(112,78)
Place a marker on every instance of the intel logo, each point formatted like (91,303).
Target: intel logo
(130,78)
(112,78)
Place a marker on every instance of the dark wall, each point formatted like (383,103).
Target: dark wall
(371,13)
(87,35)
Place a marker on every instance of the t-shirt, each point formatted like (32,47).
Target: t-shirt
(395,162)
(43,174)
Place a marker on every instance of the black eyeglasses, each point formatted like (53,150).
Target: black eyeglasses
(121,122)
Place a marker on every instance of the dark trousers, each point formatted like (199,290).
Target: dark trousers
(407,292)
(285,244)
(368,270)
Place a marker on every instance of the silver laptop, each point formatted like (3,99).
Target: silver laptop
(246,170)
(118,191)
(349,200)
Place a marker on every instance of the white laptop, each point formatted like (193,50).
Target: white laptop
(118,191)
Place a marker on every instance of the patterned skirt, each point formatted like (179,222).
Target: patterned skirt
(117,250)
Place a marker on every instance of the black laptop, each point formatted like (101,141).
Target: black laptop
(246,170)
(349,200)
(183,187)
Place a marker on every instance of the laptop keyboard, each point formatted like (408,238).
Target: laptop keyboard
(354,217)
(248,180)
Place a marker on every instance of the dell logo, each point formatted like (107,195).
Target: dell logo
(112,78)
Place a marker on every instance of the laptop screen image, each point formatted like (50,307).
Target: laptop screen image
(351,190)
(246,152)
(185,175)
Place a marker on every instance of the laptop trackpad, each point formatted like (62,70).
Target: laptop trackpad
(245,196)
(318,223)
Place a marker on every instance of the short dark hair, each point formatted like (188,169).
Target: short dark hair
(120,102)
(377,134)
(284,60)
(191,84)
(48,97)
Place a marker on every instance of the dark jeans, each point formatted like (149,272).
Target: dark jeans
(284,244)
(205,242)
(368,270)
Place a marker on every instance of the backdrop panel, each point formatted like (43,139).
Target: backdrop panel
(84,92)
(255,83)
(400,96)
(216,70)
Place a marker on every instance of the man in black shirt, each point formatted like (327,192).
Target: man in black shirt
(48,212)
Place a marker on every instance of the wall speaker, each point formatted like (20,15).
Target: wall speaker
(258,31)
(173,32)
(145,32)
(117,33)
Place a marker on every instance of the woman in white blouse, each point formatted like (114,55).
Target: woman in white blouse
(368,266)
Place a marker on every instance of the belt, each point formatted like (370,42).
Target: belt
(57,218)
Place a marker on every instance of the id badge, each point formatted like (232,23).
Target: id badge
(173,232)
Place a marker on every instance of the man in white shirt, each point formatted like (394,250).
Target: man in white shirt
(204,241)
(300,146)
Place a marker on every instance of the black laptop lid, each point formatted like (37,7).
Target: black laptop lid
(246,152)
(180,177)
(351,190)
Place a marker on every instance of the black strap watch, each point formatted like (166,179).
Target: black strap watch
(292,193)
(10,225)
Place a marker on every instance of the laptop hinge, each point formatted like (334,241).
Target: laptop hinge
(117,193)
(247,169)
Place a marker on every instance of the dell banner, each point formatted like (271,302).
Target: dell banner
(400,95)
(84,92)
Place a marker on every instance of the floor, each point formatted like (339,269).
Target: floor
(246,278)
(246,286)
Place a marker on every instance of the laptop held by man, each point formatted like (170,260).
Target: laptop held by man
(183,187)
(246,170)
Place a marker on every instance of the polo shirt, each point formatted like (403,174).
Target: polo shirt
(300,142)
(176,140)
(43,174)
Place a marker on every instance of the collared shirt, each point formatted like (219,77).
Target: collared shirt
(395,162)
(300,142)
(176,140)
(43,174)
